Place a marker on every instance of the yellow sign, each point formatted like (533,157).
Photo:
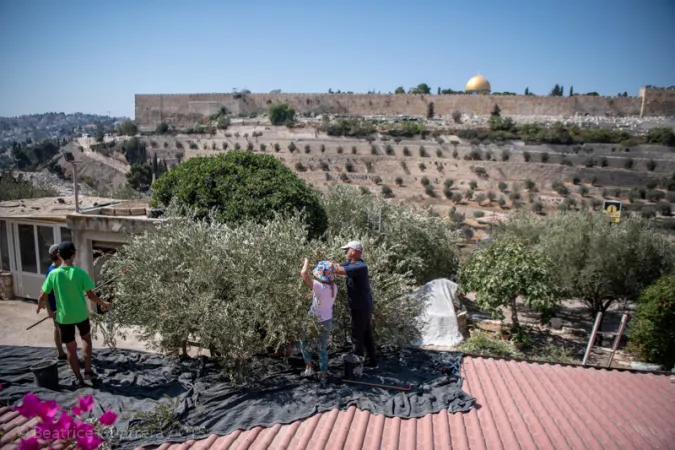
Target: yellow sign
(613,210)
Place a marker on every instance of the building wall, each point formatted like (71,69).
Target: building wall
(187,109)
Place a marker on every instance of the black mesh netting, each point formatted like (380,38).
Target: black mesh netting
(198,401)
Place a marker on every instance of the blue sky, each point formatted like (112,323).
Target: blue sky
(94,56)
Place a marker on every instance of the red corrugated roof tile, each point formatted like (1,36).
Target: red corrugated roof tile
(521,405)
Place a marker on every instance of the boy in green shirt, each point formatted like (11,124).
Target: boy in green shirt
(69,283)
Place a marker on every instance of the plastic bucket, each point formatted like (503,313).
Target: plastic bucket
(46,374)
(353,366)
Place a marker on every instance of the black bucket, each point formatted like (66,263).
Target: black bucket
(46,374)
(353,366)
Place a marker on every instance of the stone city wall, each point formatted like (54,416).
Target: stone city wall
(186,109)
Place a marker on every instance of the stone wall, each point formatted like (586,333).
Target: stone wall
(186,109)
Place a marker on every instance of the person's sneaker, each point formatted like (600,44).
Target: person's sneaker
(90,376)
(308,372)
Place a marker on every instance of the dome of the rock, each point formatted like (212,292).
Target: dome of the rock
(478,84)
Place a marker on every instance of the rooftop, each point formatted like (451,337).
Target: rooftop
(520,405)
(57,208)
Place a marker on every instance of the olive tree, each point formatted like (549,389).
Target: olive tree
(237,290)
(506,270)
(595,260)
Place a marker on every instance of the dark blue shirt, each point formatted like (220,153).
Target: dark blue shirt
(52,298)
(358,285)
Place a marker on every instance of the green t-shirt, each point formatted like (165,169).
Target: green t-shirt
(69,283)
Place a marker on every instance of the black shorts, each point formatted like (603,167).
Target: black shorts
(68,330)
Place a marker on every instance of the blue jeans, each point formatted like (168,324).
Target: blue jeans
(306,346)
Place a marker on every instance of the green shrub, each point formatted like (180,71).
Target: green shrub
(374,150)
(422,167)
(237,146)
(308,148)
(604,162)
(340,149)
(502,186)
(390,150)
(480,344)
(583,191)
(530,185)
(429,190)
(473,184)
(478,214)
(448,182)
(349,167)
(628,163)
(506,155)
(652,330)
(647,212)
(455,154)
(439,153)
(399,181)
(323,148)
(456,197)
(277,147)
(387,192)
(425,181)
(492,196)
(662,136)
(651,165)
(280,113)
(665,209)
(16,188)
(324,166)
(242,186)
(537,207)
(655,196)
(576,179)
(377,179)
(527,156)
(423,152)
(652,183)
(354,150)
(291,147)
(560,188)
(406,151)
(544,157)
(480,198)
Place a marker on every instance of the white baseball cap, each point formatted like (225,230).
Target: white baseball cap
(355,245)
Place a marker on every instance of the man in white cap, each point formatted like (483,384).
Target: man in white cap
(360,301)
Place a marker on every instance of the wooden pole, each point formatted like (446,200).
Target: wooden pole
(596,326)
(624,319)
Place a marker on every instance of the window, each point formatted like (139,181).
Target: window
(27,248)
(66,235)
(45,240)
(4,246)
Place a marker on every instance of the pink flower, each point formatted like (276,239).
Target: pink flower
(49,410)
(31,406)
(108,418)
(76,410)
(86,403)
(32,443)
(89,442)
(64,426)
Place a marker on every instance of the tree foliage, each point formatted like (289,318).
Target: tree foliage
(652,330)
(17,187)
(595,260)
(507,269)
(128,128)
(139,177)
(240,186)
(135,151)
(281,113)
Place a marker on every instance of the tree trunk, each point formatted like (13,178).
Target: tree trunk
(514,313)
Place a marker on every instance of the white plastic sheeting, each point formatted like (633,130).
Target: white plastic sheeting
(438,323)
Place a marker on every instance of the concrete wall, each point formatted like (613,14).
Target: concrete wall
(187,109)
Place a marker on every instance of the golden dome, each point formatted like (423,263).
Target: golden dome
(478,83)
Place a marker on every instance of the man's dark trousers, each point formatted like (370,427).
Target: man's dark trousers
(362,334)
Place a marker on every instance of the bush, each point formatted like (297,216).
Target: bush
(323,148)
(263,147)
(583,191)
(651,165)
(344,177)
(665,209)
(457,116)
(399,181)
(300,167)
(134,151)
(354,150)
(242,186)
(662,136)
(280,113)
(249,146)
(530,185)
(478,214)
(406,151)
(506,155)
(277,148)
(324,166)
(373,150)
(537,207)
(604,162)
(455,154)
(488,155)
(237,146)
(448,182)
(652,330)
(544,157)
(560,188)
(480,344)
(654,195)
(652,183)
(439,153)
(480,171)
(387,192)
(565,161)
(492,196)
(422,167)
(340,149)
(349,167)
(628,163)
(162,128)
(526,156)
(480,198)
(576,179)
(128,128)
(670,197)
(377,179)
(456,197)
(648,212)
(423,152)
(502,186)
(390,150)
(473,184)
(425,181)
(308,148)
(429,190)
(590,162)
(16,188)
